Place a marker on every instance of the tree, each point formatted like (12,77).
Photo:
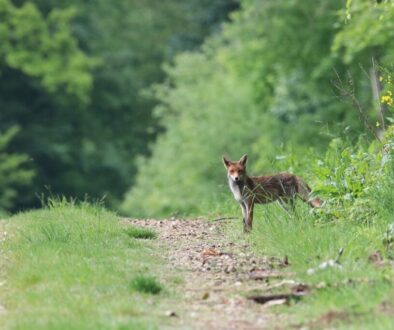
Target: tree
(81,109)
(14,171)
(263,86)
(41,70)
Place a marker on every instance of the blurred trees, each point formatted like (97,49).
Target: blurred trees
(41,69)
(43,48)
(264,87)
(72,76)
(81,79)
(13,171)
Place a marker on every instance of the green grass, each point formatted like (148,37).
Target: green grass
(140,233)
(70,266)
(146,284)
(357,293)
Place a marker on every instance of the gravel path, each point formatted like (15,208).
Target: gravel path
(217,275)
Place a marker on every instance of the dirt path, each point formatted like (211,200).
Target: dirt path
(217,275)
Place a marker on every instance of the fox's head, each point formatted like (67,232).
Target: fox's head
(236,171)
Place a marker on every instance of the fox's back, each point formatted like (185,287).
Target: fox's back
(271,187)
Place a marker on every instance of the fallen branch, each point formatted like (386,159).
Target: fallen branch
(224,218)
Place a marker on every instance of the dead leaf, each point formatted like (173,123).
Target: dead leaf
(211,252)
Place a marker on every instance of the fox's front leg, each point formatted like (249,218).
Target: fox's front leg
(249,216)
(244,212)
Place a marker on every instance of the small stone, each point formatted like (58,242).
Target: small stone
(171,314)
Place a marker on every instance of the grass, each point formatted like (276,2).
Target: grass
(70,266)
(146,284)
(360,295)
(140,233)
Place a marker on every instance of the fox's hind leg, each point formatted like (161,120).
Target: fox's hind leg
(288,204)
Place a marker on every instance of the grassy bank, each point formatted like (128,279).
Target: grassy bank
(358,293)
(74,266)
(361,290)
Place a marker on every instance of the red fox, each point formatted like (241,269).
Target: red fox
(248,190)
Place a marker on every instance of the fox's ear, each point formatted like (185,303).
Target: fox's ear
(243,160)
(226,162)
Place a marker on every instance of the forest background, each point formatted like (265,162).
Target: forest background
(136,101)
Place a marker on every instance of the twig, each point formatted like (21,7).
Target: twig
(224,218)
(376,88)
(350,94)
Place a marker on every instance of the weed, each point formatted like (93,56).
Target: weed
(146,284)
(140,233)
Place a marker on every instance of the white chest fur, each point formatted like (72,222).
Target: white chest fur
(236,189)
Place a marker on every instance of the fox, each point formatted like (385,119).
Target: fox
(249,190)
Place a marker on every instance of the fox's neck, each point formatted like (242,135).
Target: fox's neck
(237,187)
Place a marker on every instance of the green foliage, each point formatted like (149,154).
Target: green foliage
(248,91)
(186,163)
(70,265)
(13,171)
(44,48)
(72,76)
(368,32)
(356,186)
(345,176)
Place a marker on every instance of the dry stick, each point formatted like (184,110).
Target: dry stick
(375,90)
(358,106)
(224,218)
(351,94)
(376,87)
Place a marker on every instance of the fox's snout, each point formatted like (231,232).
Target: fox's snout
(235,177)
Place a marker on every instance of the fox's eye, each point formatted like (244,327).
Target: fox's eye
(231,172)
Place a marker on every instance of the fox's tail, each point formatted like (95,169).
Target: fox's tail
(304,191)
